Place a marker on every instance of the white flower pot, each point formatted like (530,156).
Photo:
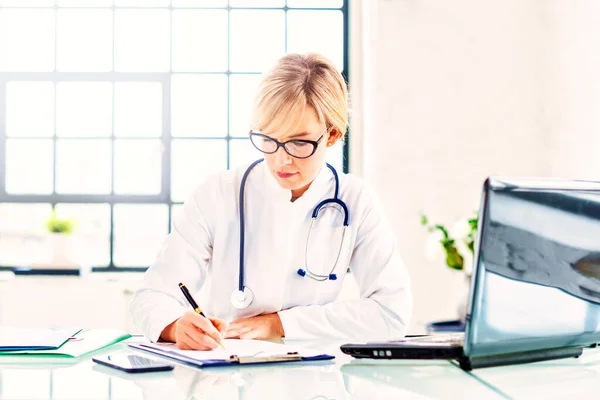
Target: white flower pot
(61,250)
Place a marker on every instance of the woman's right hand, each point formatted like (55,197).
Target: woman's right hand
(194,332)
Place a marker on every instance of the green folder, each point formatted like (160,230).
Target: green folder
(86,341)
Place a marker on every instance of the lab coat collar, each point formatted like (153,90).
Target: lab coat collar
(320,184)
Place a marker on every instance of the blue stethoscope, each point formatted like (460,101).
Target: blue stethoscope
(242,297)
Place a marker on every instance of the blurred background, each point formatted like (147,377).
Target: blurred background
(112,111)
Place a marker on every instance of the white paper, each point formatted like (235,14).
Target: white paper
(237,347)
(17,337)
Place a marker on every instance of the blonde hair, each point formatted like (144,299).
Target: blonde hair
(298,80)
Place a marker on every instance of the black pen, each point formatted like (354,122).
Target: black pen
(195,306)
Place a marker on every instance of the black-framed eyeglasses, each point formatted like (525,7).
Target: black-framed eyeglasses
(298,148)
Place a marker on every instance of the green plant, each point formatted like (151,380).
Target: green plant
(58,225)
(457,243)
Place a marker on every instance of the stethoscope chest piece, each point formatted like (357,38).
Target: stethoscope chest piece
(241,299)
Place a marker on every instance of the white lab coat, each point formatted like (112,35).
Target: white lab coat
(202,251)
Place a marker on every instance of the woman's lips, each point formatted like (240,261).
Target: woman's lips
(285,175)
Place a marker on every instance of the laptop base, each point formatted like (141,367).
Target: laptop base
(468,364)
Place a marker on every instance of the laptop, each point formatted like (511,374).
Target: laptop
(535,287)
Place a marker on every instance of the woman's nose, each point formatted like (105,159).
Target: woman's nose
(282,157)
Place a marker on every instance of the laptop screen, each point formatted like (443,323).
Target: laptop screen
(536,284)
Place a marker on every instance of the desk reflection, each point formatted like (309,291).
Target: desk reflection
(304,382)
(557,379)
(413,379)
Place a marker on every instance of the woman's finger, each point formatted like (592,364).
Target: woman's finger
(219,324)
(205,325)
(232,334)
(195,340)
(208,343)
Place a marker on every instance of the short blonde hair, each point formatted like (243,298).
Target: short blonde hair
(298,80)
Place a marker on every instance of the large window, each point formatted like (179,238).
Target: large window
(112,111)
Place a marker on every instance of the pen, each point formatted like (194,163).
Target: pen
(194,305)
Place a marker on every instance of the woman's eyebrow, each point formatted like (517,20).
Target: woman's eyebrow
(298,135)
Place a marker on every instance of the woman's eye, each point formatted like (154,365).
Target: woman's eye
(299,144)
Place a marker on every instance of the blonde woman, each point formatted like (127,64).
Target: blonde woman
(267,246)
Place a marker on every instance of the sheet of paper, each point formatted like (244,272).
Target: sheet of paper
(15,338)
(238,347)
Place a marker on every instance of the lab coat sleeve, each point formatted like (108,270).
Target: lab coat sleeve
(384,308)
(184,257)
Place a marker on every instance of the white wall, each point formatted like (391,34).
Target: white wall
(572,83)
(454,91)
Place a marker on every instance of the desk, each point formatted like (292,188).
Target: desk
(571,378)
(342,378)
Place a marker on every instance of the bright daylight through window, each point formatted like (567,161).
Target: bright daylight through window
(112,111)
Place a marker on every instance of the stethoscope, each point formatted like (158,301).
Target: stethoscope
(242,297)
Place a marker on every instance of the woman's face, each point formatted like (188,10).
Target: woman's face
(296,174)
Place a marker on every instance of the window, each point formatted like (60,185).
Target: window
(112,111)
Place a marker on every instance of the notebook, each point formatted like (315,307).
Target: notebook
(236,351)
(84,342)
(535,289)
(17,338)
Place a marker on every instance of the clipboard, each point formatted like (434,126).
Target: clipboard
(232,360)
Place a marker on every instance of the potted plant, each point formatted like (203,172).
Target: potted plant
(457,244)
(61,240)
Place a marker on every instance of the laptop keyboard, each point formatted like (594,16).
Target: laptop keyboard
(449,338)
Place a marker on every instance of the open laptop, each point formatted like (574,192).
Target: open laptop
(535,288)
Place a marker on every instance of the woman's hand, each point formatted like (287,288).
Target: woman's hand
(266,326)
(194,332)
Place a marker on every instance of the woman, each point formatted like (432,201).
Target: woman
(281,275)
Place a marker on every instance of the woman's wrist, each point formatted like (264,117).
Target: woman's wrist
(168,334)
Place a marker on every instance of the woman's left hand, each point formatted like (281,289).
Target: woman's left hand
(266,326)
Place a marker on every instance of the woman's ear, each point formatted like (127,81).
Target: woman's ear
(334,136)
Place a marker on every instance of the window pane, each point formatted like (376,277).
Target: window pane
(315,3)
(23,234)
(256,3)
(199,105)
(91,233)
(27,3)
(192,161)
(137,166)
(142,40)
(200,40)
(243,89)
(328,39)
(84,109)
(199,3)
(241,151)
(29,167)
(141,3)
(86,3)
(334,156)
(138,109)
(140,230)
(249,27)
(30,109)
(84,40)
(83,166)
(26,40)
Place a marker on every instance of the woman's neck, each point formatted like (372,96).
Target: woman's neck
(296,193)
